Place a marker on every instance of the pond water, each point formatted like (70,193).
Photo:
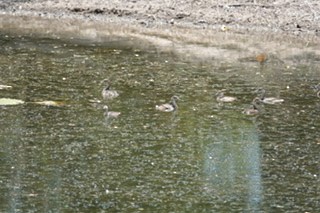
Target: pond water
(205,157)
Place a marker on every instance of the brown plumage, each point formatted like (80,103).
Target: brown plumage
(253,108)
(261,58)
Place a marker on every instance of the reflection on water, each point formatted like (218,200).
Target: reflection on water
(233,165)
(205,157)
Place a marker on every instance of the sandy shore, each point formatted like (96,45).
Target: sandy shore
(201,28)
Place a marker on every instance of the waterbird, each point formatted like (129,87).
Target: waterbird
(261,58)
(107,93)
(268,100)
(110,114)
(224,99)
(253,108)
(169,107)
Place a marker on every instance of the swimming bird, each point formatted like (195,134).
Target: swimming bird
(110,114)
(253,109)
(268,100)
(261,58)
(107,93)
(169,107)
(224,99)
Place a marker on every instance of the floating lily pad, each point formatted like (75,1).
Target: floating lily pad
(50,103)
(10,101)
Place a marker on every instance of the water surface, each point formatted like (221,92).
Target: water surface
(205,157)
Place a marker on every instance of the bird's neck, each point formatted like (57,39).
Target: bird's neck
(174,104)
(263,94)
(220,95)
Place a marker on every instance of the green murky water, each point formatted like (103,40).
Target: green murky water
(203,158)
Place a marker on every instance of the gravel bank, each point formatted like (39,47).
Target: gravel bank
(263,25)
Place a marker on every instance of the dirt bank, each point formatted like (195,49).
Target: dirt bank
(272,26)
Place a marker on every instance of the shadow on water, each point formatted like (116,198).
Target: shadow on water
(205,157)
